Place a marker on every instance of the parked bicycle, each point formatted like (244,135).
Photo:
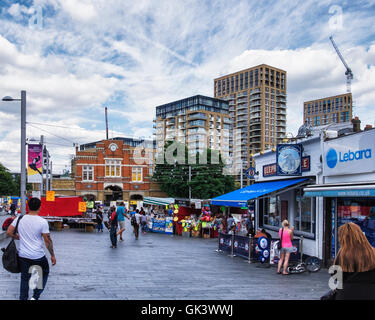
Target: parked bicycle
(311,264)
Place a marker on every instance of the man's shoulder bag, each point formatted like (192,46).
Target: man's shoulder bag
(10,254)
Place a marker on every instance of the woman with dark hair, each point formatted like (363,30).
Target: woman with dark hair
(356,258)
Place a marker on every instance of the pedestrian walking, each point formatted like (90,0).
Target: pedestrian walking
(113,229)
(136,221)
(32,230)
(230,223)
(13,208)
(286,237)
(144,222)
(99,219)
(121,215)
(356,257)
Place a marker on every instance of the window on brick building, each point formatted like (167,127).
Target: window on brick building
(113,168)
(136,174)
(88,173)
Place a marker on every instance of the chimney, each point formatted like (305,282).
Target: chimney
(368,127)
(356,124)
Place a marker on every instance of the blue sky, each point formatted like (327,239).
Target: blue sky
(134,55)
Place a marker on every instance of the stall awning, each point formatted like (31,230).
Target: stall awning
(364,190)
(158,201)
(240,197)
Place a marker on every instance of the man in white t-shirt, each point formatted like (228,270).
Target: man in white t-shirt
(33,233)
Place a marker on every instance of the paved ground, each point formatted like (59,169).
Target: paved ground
(159,266)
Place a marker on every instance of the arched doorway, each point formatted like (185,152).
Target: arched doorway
(112,193)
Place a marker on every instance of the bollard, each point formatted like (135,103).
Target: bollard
(232,247)
(249,257)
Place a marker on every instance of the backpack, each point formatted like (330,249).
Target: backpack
(133,220)
(10,255)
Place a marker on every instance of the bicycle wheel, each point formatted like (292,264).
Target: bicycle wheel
(313,264)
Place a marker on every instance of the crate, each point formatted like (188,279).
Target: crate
(186,234)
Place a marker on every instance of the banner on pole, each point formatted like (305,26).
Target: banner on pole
(34,163)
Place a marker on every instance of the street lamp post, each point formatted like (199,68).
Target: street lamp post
(23,147)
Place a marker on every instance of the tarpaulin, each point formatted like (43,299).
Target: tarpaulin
(61,207)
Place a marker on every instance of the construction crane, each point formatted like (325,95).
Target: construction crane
(348,72)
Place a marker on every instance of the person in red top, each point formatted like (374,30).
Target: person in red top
(7,223)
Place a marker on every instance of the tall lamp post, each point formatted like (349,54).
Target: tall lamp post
(23,147)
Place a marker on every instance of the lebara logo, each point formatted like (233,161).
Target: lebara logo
(331,158)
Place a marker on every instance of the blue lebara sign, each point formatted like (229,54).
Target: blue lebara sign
(349,154)
(289,160)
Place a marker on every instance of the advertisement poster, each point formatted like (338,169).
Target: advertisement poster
(225,242)
(158,225)
(241,246)
(34,163)
(169,225)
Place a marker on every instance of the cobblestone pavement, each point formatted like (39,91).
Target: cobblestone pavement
(159,266)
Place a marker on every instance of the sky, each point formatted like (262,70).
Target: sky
(74,57)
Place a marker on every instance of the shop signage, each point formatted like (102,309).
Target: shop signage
(269,170)
(289,159)
(250,173)
(184,203)
(350,154)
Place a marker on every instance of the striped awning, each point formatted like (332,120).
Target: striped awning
(158,201)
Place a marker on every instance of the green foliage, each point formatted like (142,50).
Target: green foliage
(207,180)
(8,186)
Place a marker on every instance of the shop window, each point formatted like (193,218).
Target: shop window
(360,211)
(88,173)
(304,216)
(272,211)
(136,174)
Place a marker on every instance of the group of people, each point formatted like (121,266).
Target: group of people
(116,222)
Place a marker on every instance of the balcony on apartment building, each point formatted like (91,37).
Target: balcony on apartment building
(242,94)
(255,91)
(255,97)
(195,116)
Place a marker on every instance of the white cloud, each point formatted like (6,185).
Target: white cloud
(133,56)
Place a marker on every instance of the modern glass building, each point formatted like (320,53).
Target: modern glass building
(257,107)
(328,110)
(200,122)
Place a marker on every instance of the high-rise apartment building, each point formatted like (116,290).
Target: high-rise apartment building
(257,107)
(200,122)
(323,111)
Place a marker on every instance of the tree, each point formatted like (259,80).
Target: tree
(207,180)
(8,186)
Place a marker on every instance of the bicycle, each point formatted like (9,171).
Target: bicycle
(311,264)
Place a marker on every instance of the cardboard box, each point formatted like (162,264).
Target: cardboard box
(206,235)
